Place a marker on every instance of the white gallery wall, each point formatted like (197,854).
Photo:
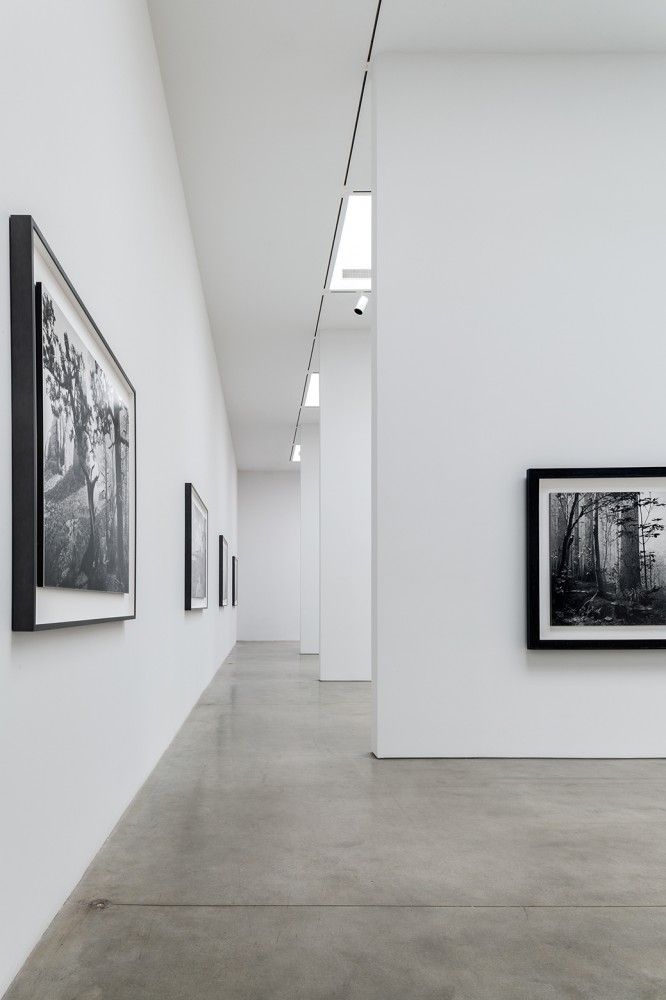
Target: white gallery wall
(309,511)
(344,393)
(86,712)
(520,249)
(269,568)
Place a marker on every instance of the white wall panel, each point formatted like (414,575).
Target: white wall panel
(86,712)
(269,556)
(344,385)
(521,240)
(309,436)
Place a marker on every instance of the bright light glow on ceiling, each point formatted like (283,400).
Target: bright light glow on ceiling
(312,390)
(353,261)
(295,453)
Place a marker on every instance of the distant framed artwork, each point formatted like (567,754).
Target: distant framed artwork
(596,558)
(73,452)
(234,581)
(196,550)
(224,572)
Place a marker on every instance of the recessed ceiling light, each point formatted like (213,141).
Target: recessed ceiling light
(295,453)
(353,261)
(312,390)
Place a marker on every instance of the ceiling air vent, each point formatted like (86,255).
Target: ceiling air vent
(362,273)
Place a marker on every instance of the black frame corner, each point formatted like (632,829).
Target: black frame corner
(533,479)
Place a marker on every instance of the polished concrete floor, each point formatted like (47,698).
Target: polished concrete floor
(271,857)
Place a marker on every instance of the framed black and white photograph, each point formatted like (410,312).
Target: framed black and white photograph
(224,572)
(596,558)
(73,451)
(234,581)
(196,550)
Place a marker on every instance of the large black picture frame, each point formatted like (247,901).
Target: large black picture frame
(536,488)
(25,241)
(193,603)
(234,581)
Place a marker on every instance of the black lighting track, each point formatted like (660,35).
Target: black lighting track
(335,233)
(374,30)
(358,115)
(321,306)
(305,383)
(337,219)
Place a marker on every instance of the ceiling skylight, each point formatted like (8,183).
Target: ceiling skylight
(312,390)
(353,261)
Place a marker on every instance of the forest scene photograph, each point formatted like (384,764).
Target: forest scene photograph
(199,553)
(607,558)
(85,467)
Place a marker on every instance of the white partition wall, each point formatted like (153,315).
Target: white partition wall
(269,561)
(86,712)
(309,538)
(521,241)
(345,506)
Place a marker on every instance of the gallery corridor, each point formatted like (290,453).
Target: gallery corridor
(270,855)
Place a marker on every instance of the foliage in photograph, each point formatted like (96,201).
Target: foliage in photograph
(607,558)
(224,572)
(85,464)
(199,553)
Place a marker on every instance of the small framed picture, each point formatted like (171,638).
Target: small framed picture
(196,550)
(596,558)
(224,572)
(234,581)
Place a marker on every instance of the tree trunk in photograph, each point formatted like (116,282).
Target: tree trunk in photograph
(89,561)
(644,532)
(576,563)
(630,558)
(78,463)
(117,446)
(90,488)
(80,455)
(60,432)
(107,531)
(566,541)
(596,555)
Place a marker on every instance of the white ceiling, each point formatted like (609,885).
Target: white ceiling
(262,98)
(522,26)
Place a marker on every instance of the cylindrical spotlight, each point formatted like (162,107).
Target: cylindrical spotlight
(359,308)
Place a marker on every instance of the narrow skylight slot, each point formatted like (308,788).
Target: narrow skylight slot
(295,453)
(353,261)
(312,390)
